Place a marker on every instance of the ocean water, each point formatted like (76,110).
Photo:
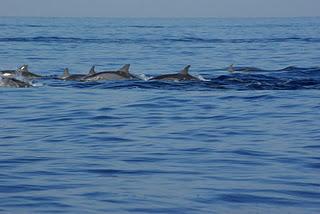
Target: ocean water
(243,142)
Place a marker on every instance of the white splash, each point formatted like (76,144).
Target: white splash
(144,77)
(6,74)
(202,78)
(37,84)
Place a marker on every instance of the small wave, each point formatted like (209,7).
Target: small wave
(250,198)
(291,68)
(34,26)
(57,39)
(145,26)
(23,25)
(239,41)
(44,39)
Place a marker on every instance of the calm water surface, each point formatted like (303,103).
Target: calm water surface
(235,143)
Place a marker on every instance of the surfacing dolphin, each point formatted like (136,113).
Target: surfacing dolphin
(121,74)
(76,77)
(181,76)
(8,73)
(21,72)
(18,78)
(25,73)
(13,83)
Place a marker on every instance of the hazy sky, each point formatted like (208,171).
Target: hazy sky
(161,8)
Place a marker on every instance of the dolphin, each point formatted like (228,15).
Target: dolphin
(8,73)
(13,83)
(76,77)
(22,72)
(25,73)
(183,75)
(121,74)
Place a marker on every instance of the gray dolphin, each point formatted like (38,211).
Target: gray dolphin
(13,83)
(25,73)
(181,76)
(76,77)
(8,73)
(121,74)
(22,72)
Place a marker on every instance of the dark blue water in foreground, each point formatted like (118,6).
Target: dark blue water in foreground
(247,142)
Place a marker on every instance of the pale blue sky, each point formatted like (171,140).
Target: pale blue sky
(161,8)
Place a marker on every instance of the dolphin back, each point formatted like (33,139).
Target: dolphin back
(183,75)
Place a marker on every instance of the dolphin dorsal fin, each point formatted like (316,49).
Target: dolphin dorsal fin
(231,68)
(185,71)
(92,71)
(66,73)
(125,69)
(23,68)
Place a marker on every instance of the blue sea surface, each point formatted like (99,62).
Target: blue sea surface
(242,142)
